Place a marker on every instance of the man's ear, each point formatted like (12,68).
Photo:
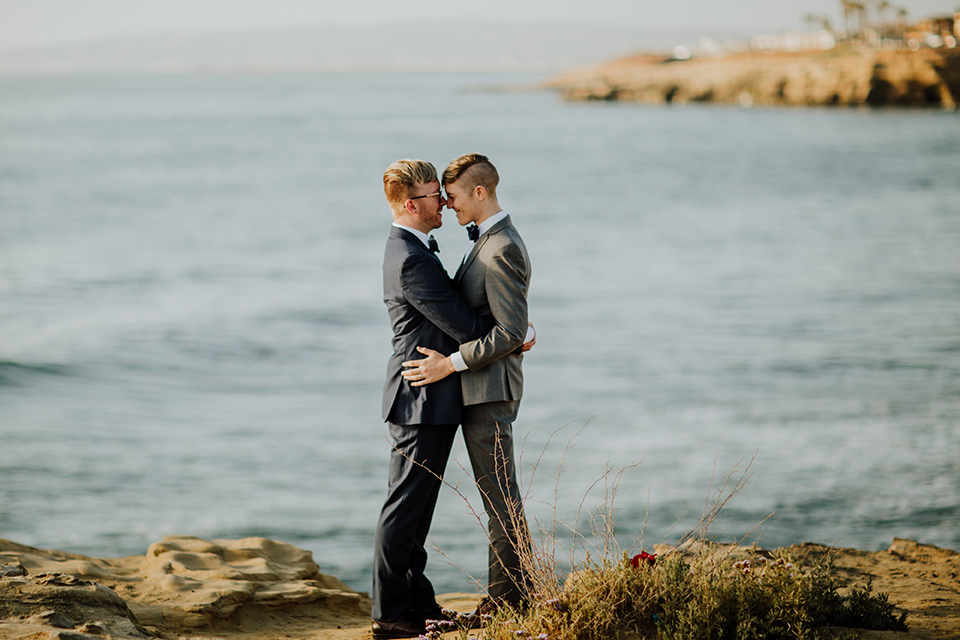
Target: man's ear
(409,206)
(481,192)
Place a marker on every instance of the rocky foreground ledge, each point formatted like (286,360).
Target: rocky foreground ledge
(183,586)
(928,77)
(260,589)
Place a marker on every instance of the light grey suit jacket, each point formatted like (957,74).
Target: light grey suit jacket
(493,280)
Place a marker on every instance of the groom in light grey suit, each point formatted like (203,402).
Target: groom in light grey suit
(493,279)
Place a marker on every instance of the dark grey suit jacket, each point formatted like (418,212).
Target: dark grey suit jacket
(424,311)
(494,279)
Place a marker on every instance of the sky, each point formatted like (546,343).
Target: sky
(33,22)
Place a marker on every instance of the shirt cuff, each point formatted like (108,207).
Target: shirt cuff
(457,360)
(531,334)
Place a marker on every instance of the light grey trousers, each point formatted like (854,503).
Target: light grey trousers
(488,434)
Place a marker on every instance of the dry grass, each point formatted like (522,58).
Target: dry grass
(709,595)
(694,590)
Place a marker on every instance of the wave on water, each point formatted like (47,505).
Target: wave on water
(14,374)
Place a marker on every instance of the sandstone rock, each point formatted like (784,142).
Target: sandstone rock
(182,584)
(842,77)
(54,619)
(212,580)
(247,559)
(12,570)
(60,601)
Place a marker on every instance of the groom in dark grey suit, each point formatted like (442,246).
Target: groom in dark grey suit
(493,279)
(424,310)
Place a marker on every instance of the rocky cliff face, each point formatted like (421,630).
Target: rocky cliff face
(837,78)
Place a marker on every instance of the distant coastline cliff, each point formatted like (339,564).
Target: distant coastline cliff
(838,77)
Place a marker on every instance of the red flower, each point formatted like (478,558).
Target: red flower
(649,558)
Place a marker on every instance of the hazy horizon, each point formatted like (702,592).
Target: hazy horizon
(479,47)
(27,23)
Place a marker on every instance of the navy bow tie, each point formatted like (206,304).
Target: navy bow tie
(433,245)
(473,232)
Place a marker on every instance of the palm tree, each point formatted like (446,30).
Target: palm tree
(861,11)
(872,21)
(853,11)
(816,19)
(882,7)
(901,21)
(846,16)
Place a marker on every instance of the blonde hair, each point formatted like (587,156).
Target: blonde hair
(401,178)
(475,170)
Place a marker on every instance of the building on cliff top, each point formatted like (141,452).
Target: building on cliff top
(934,33)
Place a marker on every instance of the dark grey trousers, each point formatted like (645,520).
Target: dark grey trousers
(417,462)
(488,434)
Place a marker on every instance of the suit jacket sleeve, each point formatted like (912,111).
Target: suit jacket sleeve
(428,288)
(507,274)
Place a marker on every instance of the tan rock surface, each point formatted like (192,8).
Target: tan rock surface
(260,589)
(836,78)
(186,586)
(922,580)
(61,601)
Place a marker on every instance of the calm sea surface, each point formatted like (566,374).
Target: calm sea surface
(193,341)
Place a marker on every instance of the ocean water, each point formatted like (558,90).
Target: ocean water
(192,337)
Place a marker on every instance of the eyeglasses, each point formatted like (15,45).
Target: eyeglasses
(429,195)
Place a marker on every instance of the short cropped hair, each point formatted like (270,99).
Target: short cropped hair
(475,170)
(402,177)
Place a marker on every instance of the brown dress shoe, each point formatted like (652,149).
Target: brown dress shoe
(486,608)
(399,629)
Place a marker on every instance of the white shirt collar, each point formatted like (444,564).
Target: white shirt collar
(424,238)
(492,220)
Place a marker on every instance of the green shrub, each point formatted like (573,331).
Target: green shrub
(707,596)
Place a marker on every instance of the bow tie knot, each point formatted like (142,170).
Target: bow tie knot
(433,245)
(473,232)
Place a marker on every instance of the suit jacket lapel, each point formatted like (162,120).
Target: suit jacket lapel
(413,240)
(403,234)
(470,257)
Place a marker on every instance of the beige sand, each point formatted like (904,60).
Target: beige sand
(260,589)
